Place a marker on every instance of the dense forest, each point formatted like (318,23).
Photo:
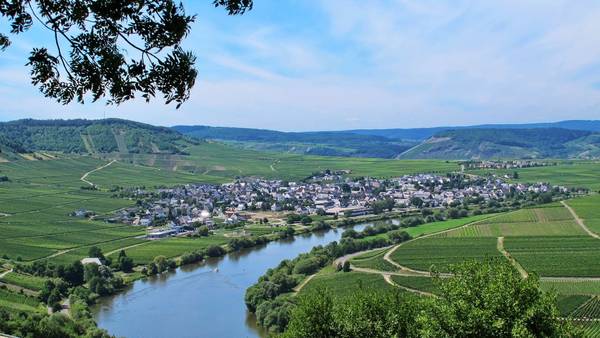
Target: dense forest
(89,136)
(508,143)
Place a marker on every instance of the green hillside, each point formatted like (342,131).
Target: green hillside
(508,144)
(324,143)
(89,136)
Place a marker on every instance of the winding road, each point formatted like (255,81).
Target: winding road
(406,271)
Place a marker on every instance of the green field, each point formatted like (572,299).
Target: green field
(430,228)
(569,303)
(425,284)
(591,309)
(17,302)
(571,174)
(590,329)
(424,253)
(552,221)
(571,287)
(557,256)
(172,247)
(25,281)
(341,284)
(216,159)
(373,260)
(588,209)
(35,204)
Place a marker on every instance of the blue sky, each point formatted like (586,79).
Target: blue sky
(343,64)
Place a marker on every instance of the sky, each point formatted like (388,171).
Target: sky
(299,65)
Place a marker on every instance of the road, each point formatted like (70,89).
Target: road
(513,262)
(84,177)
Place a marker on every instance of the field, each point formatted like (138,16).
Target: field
(25,281)
(17,302)
(591,309)
(590,329)
(557,256)
(430,228)
(569,303)
(571,287)
(373,260)
(171,247)
(425,253)
(35,204)
(425,284)
(216,159)
(550,221)
(571,174)
(342,284)
(587,208)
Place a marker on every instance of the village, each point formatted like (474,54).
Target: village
(182,210)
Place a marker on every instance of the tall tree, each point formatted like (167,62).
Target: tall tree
(109,48)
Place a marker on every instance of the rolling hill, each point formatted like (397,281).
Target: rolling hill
(508,143)
(418,142)
(89,136)
(325,143)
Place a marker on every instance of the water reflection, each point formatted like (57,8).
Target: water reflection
(196,300)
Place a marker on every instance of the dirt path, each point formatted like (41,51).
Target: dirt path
(5,273)
(125,248)
(84,177)
(512,261)
(389,280)
(304,282)
(580,221)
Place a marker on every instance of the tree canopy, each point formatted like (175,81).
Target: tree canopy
(109,48)
(487,299)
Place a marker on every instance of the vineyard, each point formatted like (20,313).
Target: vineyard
(589,310)
(425,284)
(424,253)
(557,256)
(572,287)
(550,221)
(373,260)
(587,209)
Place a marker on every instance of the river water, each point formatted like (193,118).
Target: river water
(204,300)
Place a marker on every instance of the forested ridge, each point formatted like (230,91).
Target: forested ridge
(89,136)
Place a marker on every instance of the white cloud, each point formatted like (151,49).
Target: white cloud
(375,64)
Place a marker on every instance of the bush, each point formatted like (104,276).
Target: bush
(307,266)
(215,251)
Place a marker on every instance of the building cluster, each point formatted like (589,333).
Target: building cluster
(184,208)
(512,164)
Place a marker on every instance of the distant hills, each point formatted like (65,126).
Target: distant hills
(566,139)
(89,136)
(325,143)
(421,134)
(508,143)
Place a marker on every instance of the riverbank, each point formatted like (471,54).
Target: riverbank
(208,294)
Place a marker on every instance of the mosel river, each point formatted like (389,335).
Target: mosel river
(204,300)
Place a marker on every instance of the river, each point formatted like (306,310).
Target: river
(203,300)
